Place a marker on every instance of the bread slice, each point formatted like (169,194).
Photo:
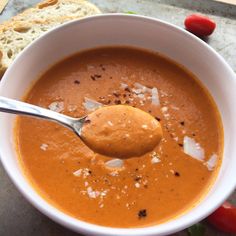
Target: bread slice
(22,29)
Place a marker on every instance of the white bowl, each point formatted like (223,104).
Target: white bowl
(139,31)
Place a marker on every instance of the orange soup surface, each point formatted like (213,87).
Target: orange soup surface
(158,186)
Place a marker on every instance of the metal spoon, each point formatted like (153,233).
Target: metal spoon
(16,107)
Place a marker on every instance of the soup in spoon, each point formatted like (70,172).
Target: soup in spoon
(121,131)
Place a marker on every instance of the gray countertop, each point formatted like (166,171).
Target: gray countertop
(17,216)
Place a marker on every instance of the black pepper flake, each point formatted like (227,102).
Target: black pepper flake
(157,118)
(182,123)
(77,82)
(136,169)
(193,134)
(97,76)
(117,102)
(127,90)
(92,77)
(116,94)
(180,144)
(90,172)
(142,213)
(87,121)
(177,174)
(137,178)
(110,77)
(107,102)
(102,67)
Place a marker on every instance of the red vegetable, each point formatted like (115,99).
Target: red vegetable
(224,218)
(199,25)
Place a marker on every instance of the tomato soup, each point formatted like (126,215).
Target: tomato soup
(143,190)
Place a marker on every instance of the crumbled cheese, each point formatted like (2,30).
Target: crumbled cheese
(91,105)
(155,160)
(176,139)
(82,172)
(91,193)
(166,115)
(86,172)
(44,146)
(110,123)
(90,67)
(137,185)
(174,107)
(144,126)
(141,96)
(77,173)
(124,86)
(115,163)
(137,91)
(164,109)
(56,106)
(163,93)
(193,149)
(211,163)
(155,97)
(114,173)
(103,193)
(143,88)
(71,108)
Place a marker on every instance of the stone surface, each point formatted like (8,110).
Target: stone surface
(17,216)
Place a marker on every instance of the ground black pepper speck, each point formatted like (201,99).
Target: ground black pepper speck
(142,213)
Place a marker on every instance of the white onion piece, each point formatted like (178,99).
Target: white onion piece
(91,105)
(155,97)
(211,163)
(115,163)
(193,149)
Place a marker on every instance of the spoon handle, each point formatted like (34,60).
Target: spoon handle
(21,108)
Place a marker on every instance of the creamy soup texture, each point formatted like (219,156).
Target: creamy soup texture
(159,185)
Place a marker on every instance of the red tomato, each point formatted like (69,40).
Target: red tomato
(199,25)
(224,218)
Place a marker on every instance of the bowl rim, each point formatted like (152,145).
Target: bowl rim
(89,228)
